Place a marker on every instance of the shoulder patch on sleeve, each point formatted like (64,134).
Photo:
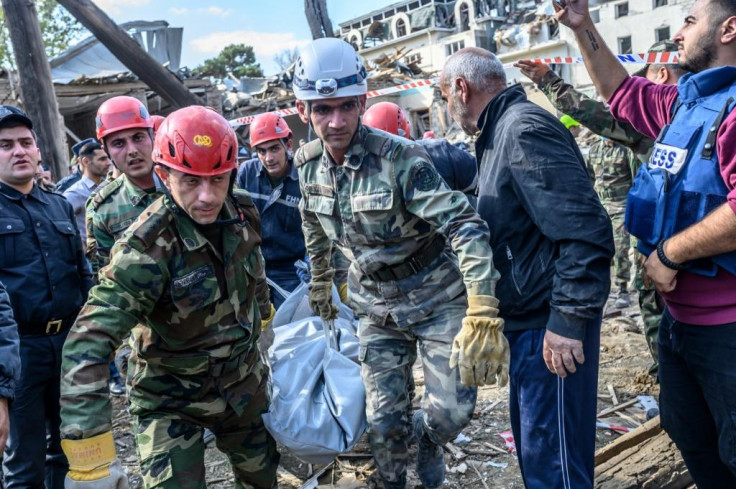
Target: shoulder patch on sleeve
(102,193)
(150,224)
(424,176)
(308,152)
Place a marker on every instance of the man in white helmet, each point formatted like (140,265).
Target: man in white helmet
(378,198)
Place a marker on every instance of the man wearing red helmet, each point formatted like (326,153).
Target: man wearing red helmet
(273,183)
(125,130)
(190,272)
(457,168)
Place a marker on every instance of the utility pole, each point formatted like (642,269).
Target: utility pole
(136,59)
(37,89)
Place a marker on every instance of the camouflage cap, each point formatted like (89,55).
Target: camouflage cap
(657,47)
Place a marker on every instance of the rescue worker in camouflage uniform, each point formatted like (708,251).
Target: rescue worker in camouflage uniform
(596,117)
(611,165)
(190,272)
(379,199)
(125,130)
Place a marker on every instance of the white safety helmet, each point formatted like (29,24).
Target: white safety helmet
(328,68)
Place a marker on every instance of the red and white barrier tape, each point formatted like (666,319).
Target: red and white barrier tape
(640,58)
(666,57)
(373,93)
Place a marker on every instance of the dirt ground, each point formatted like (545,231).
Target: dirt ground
(479,459)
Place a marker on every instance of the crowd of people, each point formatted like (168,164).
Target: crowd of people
(489,270)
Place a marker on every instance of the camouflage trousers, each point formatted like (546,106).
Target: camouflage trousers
(651,306)
(622,241)
(387,354)
(171,449)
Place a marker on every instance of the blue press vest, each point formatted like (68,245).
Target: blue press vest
(662,203)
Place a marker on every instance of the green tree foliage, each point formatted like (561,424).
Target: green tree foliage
(237,59)
(58,28)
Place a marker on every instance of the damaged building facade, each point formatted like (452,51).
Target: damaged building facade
(425,32)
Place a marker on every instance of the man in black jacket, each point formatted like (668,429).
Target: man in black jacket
(552,244)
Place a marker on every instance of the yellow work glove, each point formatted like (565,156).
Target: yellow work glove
(480,349)
(266,321)
(93,464)
(343,291)
(320,300)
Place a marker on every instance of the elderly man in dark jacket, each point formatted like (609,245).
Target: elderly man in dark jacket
(9,362)
(552,243)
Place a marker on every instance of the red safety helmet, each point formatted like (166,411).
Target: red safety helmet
(267,127)
(198,141)
(120,113)
(157,120)
(388,117)
(427,135)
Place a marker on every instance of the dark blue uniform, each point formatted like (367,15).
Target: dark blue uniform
(281,225)
(458,168)
(47,278)
(10,361)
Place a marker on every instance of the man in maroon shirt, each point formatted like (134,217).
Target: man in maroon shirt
(683,210)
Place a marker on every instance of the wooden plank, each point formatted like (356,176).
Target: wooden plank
(456,453)
(630,439)
(611,391)
(618,407)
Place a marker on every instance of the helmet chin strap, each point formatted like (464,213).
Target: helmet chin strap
(240,218)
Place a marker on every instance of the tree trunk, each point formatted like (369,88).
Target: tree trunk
(318,19)
(37,89)
(135,58)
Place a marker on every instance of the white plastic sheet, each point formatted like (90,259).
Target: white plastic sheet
(317,397)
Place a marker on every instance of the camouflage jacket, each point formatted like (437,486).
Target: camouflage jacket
(611,164)
(385,203)
(595,116)
(111,209)
(199,319)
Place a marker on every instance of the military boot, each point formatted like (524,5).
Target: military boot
(622,301)
(430,457)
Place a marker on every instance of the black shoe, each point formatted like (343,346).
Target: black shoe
(430,457)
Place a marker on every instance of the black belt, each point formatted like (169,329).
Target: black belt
(412,265)
(53,327)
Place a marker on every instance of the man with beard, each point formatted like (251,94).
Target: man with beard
(681,208)
(552,244)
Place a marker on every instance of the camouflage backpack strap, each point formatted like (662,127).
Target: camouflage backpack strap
(248,207)
(149,226)
(383,145)
(103,192)
(310,151)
